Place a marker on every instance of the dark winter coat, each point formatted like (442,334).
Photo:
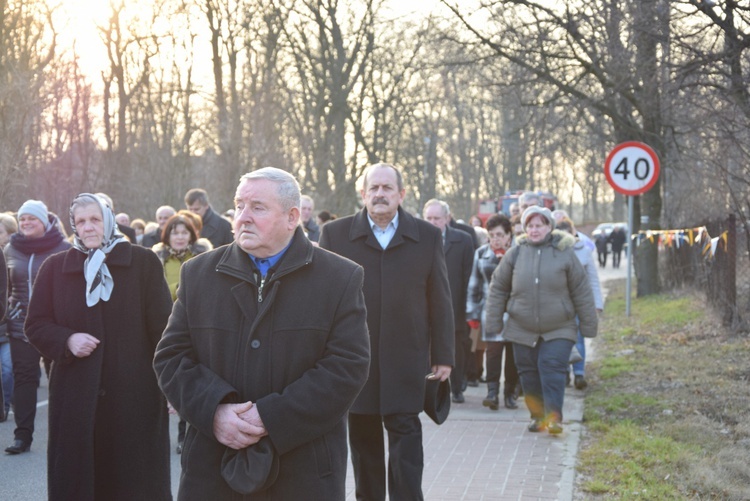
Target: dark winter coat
(300,354)
(128,232)
(617,238)
(313,230)
(3,292)
(459,257)
(542,287)
(151,238)
(24,257)
(601,244)
(469,230)
(107,418)
(216,229)
(409,312)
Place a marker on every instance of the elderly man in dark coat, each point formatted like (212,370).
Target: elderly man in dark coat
(410,320)
(459,259)
(98,313)
(265,351)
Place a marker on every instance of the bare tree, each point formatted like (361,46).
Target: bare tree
(714,50)
(165,116)
(566,47)
(264,58)
(67,149)
(331,43)
(130,49)
(27,46)
(225,23)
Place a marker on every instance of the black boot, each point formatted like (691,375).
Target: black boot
(181,430)
(492,400)
(510,401)
(510,396)
(17,447)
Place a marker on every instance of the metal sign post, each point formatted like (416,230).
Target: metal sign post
(629,280)
(631,168)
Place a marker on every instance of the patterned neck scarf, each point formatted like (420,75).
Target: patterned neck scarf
(99,282)
(179,254)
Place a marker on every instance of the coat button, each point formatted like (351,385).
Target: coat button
(102,392)
(255,344)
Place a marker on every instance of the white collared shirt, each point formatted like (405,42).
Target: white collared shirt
(384,236)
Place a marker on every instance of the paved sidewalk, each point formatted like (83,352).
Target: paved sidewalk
(479,454)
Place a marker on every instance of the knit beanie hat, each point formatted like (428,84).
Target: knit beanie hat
(536,209)
(37,209)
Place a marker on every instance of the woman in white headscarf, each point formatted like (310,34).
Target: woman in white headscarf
(98,311)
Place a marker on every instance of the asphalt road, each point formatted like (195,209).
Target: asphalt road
(24,477)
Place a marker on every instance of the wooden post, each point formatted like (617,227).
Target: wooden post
(731,317)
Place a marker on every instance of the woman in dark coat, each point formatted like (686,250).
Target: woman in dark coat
(486,259)
(37,239)
(98,312)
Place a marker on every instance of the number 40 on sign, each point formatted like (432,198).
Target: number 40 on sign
(632,168)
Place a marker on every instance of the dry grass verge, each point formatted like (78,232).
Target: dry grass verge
(667,409)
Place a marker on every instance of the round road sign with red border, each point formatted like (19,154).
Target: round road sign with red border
(632,168)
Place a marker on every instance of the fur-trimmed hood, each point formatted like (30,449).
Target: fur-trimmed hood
(558,239)
(199,247)
(543,287)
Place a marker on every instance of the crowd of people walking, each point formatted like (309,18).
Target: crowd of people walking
(220,318)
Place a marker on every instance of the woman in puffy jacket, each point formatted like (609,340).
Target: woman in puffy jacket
(542,286)
(38,238)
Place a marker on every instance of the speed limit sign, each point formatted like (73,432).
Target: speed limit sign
(632,168)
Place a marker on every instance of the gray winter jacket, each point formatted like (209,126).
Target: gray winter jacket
(542,287)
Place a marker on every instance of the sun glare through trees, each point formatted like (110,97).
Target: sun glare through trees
(144,99)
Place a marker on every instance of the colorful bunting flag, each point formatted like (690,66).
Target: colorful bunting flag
(690,236)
